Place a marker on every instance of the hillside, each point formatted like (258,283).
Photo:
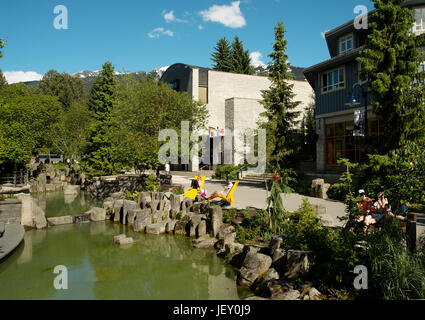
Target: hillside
(89,77)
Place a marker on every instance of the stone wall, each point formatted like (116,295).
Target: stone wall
(10,211)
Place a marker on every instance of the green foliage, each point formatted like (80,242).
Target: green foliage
(132,196)
(227,170)
(394,272)
(222,57)
(26,122)
(279,107)
(390,63)
(400,174)
(70,133)
(143,108)
(3,81)
(254,228)
(339,191)
(2,44)
(241,61)
(65,87)
(101,103)
(152,184)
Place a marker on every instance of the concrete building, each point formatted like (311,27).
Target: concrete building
(333,80)
(233,100)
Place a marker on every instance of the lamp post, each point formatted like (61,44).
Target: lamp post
(352,102)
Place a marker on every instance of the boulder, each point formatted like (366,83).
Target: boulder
(287,295)
(128,205)
(40,221)
(131,215)
(175,204)
(118,208)
(97,214)
(204,242)
(144,200)
(170,225)
(141,223)
(275,243)
(297,264)
(155,228)
(123,240)
(117,195)
(233,248)
(225,230)
(187,205)
(201,230)
(57,221)
(253,266)
(319,188)
(214,220)
(119,237)
(314,294)
(182,226)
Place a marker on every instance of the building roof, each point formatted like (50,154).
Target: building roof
(310,72)
(184,66)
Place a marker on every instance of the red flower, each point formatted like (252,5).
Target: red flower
(277,176)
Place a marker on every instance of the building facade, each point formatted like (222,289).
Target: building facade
(332,81)
(232,100)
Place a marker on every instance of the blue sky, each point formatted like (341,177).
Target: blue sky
(141,35)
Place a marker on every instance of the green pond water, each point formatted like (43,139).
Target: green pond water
(154,267)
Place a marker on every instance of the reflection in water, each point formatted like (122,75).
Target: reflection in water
(155,267)
(57,204)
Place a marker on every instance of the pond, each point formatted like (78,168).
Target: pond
(56,204)
(154,267)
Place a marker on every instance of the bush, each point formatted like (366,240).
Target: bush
(227,170)
(177,190)
(394,272)
(152,184)
(255,228)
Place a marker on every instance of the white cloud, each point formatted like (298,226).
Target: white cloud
(231,16)
(21,76)
(169,17)
(156,33)
(256,59)
(200,27)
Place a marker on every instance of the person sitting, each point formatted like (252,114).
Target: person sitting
(225,192)
(366,208)
(380,208)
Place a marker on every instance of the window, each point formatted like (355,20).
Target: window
(203,95)
(346,44)
(333,80)
(419,24)
(340,142)
(175,85)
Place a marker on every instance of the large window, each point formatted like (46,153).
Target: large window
(340,142)
(346,44)
(419,24)
(333,80)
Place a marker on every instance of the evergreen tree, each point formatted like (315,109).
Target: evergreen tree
(241,61)
(3,81)
(390,63)
(2,44)
(67,88)
(279,106)
(222,57)
(101,104)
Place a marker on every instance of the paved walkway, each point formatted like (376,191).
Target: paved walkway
(254,195)
(12,237)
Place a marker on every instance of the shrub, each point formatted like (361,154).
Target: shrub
(152,184)
(394,272)
(227,170)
